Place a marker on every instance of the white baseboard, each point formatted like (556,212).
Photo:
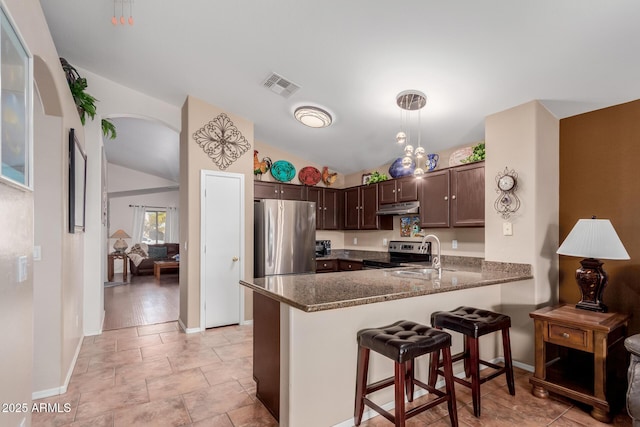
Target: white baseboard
(247,322)
(46,393)
(63,388)
(187,330)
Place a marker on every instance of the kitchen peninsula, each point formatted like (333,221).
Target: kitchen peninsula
(305,330)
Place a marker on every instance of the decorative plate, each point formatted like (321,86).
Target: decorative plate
(458,156)
(309,175)
(283,171)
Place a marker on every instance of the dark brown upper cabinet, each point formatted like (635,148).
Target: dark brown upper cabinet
(398,190)
(277,190)
(360,207)
(453,197)
(329,211)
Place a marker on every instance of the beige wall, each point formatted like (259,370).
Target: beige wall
(525,138)
(47,272)
(195,114)
(17,218)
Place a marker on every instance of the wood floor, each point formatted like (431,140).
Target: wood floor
(142,300)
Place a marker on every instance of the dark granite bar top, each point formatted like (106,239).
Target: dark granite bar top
(327,291)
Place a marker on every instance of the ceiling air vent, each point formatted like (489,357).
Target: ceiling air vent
(280,85)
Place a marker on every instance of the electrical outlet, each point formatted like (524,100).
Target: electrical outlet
(355,240)
(385,242)
(37,253)
(507,229)
(454,244)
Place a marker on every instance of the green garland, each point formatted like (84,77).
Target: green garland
(85,102)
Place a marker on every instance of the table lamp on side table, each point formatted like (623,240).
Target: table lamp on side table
(593,239)
(120,245)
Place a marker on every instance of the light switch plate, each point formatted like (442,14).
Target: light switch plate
(22,269)
(507,229)
(454,244)
(37,253)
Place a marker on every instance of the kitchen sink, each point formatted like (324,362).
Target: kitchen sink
(419,273)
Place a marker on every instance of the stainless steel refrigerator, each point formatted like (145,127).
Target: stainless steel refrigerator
(284,237)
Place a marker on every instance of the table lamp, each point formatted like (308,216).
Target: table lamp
(593,239)
(120,245)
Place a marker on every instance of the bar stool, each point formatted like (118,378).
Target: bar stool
(473,323)
(402,342)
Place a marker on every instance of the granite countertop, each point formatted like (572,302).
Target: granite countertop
(327,291)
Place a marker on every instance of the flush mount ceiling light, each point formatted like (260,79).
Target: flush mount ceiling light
(313,116)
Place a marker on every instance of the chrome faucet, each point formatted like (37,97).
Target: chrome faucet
(435,260)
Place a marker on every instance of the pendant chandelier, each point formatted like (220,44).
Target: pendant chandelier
(410,103)
(122,21)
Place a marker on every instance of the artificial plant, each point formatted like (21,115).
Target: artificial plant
(85,102)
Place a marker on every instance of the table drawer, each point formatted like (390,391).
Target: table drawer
(570,336)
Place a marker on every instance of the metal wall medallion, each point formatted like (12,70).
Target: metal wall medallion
(507,202)
(221,140)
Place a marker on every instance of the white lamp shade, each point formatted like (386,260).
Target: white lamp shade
(593,238)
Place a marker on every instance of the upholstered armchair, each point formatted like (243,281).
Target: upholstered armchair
(633,391)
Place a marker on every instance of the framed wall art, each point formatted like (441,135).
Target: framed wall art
(16,107)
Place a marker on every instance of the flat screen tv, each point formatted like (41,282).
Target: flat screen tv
(77,184)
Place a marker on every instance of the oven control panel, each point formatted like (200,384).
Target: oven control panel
(399,246)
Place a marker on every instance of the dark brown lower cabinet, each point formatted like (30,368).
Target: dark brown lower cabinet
(326,266)
(345,265)
(266,352)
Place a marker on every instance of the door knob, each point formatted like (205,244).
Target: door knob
(235,258)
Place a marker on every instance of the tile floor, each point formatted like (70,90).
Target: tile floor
(158,376)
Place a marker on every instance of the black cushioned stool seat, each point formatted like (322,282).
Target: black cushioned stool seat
(402,342)
(474,323)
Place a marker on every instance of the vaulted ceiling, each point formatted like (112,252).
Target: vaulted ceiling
(471,58)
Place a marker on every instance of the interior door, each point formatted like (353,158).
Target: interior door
(222,246)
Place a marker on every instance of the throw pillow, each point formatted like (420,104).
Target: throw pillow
(137,249)
(157,252)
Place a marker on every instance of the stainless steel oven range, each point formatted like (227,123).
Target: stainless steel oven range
(401,252)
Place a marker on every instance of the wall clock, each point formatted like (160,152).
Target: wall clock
(507,202)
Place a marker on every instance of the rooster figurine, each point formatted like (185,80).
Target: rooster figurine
(260,167)
(328,178)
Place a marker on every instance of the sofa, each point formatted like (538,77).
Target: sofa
(632,344)
(142,256)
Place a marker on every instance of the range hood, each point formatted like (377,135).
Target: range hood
(399,208)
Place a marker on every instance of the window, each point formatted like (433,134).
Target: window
(154,226)
(15,107)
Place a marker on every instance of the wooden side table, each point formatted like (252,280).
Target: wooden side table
(112,257)
(595,335)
